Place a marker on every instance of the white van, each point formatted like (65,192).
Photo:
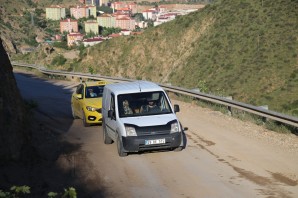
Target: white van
(139,116)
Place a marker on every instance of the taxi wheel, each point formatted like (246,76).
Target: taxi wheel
(84,120)
(120,148)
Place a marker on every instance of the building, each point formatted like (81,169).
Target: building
(92,41)
(133,7)
(125,23)
(106,20)
(124,11)
(55,12)
(125,32)
(91,26)
(74,38)
(117,5)
(149,14)
(69,25)
(83,11)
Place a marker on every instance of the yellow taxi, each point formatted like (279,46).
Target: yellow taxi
(86,102)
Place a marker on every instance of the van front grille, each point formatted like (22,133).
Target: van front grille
(153,130)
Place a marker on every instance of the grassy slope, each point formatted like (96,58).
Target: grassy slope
(240,48)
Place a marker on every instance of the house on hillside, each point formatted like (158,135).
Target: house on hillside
(92,41)
(125,32)
(74,38)
(69,25)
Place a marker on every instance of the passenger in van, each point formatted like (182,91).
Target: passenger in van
(127,110)
(150,107)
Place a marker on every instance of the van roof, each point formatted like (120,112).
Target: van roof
(133,87)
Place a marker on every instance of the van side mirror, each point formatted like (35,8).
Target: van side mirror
(176,108)
(111,114)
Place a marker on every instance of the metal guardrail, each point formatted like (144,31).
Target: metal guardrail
(286,119)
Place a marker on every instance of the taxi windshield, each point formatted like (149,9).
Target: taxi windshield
(94,91)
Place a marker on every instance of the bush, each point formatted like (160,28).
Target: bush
(58,60)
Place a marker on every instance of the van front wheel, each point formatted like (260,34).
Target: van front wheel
(120,148)
(106,138)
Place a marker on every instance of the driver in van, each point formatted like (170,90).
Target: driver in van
(150,107)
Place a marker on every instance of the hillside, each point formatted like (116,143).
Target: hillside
(245,49)
(17,30)
(241,48)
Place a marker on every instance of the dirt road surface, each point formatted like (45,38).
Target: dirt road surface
(224,157)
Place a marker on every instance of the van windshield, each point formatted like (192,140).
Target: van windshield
(143,104)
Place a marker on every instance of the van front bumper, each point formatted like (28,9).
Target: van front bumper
(137,143)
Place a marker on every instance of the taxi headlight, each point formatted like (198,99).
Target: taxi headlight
(90,108)
(130,131)
(174,127)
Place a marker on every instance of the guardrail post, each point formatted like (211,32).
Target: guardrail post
(229,107)
(264,119)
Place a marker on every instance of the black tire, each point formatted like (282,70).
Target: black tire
(180,148)
(84,120)
(121,153)
(106,137)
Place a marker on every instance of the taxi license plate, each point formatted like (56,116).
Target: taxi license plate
(158,141)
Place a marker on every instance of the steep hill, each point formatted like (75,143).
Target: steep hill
(246,49)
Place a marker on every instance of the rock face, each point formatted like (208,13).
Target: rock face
(8,45)
(14,125)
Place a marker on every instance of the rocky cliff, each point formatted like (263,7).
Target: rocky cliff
(14,125)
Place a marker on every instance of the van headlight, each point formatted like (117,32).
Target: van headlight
(174,127)
(90,108)
(130,131)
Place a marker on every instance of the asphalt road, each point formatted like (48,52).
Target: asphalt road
(223,157)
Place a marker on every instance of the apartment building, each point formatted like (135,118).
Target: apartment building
(55,12)
(132,7)
(150,14)
(83,11)
(91,26)
(106,20)
(126,23)
(124,11)
(69,25)
(117,5)
(74,38)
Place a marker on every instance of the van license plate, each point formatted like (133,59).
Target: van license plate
(158,141)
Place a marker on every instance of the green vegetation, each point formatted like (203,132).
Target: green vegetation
(105,31)
(22,191)
(105,9)
(58,60)
(246,49)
